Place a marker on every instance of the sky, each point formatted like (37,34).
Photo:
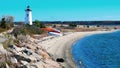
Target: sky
(62,10)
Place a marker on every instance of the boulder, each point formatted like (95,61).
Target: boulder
(18,57)
(14,60)
(27,52)
(24,62)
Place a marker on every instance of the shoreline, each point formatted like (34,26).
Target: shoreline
(60,47)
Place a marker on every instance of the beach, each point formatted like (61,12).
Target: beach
(60,47)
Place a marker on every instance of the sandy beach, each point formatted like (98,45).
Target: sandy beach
(60,47)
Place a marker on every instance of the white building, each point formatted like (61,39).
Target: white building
(28,17)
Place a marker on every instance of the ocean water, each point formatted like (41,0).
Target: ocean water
(98,51)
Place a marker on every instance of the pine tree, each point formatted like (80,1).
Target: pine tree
(3,23)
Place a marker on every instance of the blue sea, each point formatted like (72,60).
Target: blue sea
(98,51)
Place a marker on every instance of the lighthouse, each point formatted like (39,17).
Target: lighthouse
(28,16)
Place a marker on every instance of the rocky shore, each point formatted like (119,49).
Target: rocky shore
(24,52)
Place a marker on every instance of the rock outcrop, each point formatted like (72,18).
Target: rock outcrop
(25,53)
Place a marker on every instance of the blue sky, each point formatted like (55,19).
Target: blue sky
(62,10)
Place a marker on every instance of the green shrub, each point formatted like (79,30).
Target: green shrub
(38,24)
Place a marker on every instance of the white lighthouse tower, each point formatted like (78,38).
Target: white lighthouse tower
(28,17)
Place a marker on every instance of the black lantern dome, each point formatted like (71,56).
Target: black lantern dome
(28,8)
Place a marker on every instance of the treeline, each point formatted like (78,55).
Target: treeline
(83,22)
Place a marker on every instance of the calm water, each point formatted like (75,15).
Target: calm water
(98,51)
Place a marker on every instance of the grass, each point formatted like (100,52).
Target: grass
(2,30)
(5,59)
(7,43)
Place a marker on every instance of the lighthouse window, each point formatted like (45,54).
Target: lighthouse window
(27,15)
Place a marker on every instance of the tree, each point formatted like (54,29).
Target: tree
(72,25)
(38,24)
(3,23)
(7,22)
(9,19)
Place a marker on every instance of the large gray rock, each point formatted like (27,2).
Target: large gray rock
(14,60)
(2,50)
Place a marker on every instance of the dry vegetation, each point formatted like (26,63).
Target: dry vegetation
(2,30)
(79,29)
(24,30)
